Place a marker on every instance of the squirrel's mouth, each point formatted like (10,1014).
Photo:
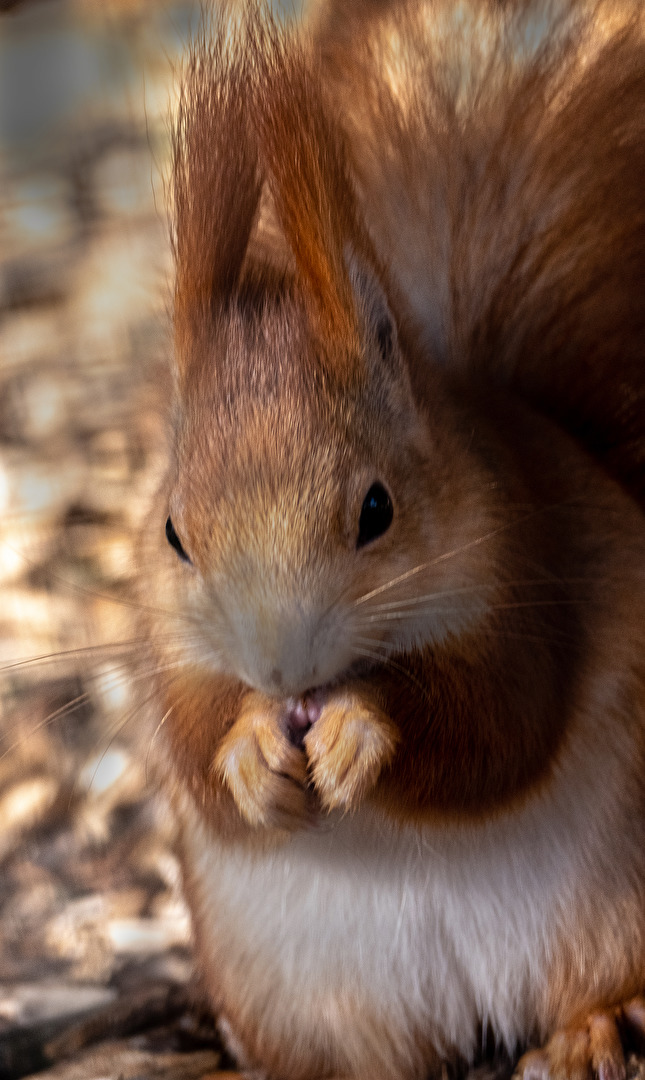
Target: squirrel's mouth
(301,713)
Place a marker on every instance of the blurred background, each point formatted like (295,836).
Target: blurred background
(94,936)
(95,948)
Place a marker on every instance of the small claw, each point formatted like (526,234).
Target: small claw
(570,1054)
(577,1053)
(533,1065)
(264,772)
(607,1058)
(347,748)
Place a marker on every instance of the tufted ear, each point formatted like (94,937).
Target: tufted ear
(374,310)
(303,150)
(216,175)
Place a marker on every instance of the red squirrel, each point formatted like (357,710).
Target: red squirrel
(394,578)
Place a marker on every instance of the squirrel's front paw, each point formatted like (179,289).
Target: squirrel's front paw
(590,1050)
(265,773)
(347,747)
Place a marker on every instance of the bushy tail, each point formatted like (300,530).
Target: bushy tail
(499,151)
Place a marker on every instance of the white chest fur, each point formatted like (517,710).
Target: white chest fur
(361,936)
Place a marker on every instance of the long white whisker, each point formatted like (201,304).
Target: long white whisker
(66,654)
(457,551)
(69,707)
(122,671)
(95,594)
(389,662)
(114,731)
(65,710)
(387,616)
(154,736)
(466,590)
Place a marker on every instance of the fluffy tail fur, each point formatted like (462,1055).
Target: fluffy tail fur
(499,154)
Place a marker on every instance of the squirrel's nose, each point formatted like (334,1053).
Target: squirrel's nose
(285,650)
(288,680)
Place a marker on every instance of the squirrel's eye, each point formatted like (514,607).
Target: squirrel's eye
(174,541)
(376,515)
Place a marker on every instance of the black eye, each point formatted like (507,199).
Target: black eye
(376,515)
(174,541)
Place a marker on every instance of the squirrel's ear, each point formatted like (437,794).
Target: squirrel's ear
(216,176)
(305,158)
(376,316)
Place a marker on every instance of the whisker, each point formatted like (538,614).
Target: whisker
(387,616)
(154,736)
(64,710)
(72,706)
(114,731)
(573,602)
(140,704)
(65,654)
(68,708)
(95,594)
(176,702)
(466,590)
(98,651)
(387,661)
(554,635)
(458,550)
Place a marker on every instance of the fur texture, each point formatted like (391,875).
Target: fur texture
(409,769)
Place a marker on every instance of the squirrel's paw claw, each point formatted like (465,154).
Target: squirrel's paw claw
(593,1049)
(264,772)
(347,748)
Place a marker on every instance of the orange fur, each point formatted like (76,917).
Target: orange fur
(428,276)
(216,184)
(538,184)
(309,181)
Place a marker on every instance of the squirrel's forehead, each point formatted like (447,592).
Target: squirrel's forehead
(266,445)
(240,406)
(255,488)
(266,355)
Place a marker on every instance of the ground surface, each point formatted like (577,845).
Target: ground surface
(94,935)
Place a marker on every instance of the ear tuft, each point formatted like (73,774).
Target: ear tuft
(216,175)
(303,149)
(373,305)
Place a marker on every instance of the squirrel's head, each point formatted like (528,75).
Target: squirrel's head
(311,502)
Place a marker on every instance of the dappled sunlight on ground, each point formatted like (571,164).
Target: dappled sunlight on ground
(94,935)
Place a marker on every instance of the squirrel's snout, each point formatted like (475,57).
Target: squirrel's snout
(286,652)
